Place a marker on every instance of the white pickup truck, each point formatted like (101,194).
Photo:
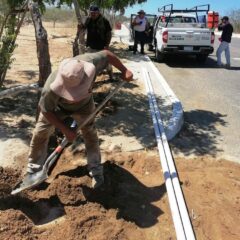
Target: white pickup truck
(180,32)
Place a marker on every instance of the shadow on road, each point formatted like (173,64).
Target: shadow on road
(199,133)
(234,69)
(184,61)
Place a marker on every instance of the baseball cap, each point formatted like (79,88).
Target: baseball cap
(226,18)
(94,8)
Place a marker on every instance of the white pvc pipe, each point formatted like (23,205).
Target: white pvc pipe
(176,121)
(166,172)
(173,172)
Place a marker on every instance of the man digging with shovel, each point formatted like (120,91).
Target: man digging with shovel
(68,92)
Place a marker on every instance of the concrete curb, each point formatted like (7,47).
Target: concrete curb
(176,121)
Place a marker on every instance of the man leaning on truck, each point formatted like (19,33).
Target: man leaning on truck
(227,30)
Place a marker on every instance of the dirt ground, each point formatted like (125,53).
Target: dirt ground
(133,203)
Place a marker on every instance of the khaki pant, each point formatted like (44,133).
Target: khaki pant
(43,130)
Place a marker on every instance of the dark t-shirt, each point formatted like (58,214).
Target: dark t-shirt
(50,101)
(97,32)
(227,31)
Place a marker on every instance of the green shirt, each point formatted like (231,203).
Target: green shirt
(50,101)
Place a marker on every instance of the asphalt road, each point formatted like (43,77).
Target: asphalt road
(211,100)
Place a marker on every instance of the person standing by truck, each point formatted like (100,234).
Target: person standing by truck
(140,25)
(227,29)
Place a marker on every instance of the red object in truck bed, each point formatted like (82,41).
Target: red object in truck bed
(213,19)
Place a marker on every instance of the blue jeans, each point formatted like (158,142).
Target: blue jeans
(224,46)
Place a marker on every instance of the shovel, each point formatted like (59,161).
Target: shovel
(37,178)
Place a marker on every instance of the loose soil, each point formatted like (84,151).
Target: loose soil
(133,202)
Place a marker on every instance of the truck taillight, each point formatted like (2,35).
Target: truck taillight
(165,37)
(212,38)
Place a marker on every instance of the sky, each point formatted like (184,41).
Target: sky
(151,6)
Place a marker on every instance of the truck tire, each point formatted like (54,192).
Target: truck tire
(159,56)
(201,58)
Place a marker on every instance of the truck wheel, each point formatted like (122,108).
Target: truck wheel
(201,58)
(159,56)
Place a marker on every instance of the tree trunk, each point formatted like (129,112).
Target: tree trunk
(42,44)
(42,48)
(8,46)
(79,42)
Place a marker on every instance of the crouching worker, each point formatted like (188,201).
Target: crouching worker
(68,92)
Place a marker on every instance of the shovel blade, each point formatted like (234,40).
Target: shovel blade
(30,181)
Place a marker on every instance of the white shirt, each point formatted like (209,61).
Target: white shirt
(142,27)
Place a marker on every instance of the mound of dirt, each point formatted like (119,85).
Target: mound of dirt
(67,208)
(132,204)
(16,225)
